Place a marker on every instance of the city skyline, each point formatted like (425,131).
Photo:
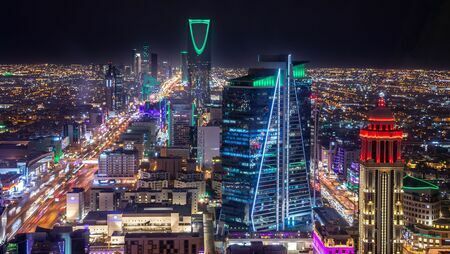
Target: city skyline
(350,34)
(148,145)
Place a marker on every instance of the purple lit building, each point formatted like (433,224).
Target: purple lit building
(342,160)
(151,110)
(353,177)
(330,233)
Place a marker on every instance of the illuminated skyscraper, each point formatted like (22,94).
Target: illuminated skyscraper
(133,59)
(184,66)
(109,88)
(199,61)
(381,181)
(180,123)
(265,150)
(115,97)
(146,58)
(120,98)
(137,64)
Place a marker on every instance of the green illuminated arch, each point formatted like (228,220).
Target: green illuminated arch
(199,50)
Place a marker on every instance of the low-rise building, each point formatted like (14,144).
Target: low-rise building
(155,243)
(421,201)
(118,166)
(329,234)
(156,218)
(75,205)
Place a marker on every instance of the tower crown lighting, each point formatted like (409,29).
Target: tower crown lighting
(381,140)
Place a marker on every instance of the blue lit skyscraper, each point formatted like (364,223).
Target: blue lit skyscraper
(265,150)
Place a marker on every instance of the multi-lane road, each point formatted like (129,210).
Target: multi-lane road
(45,205)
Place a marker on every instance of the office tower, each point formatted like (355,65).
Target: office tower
(118,163)
(146,58)
(109,89)
(120,98)
(199,61)
(381,181)
(133,60)
(265,150)
(115,97)
(208,145)
(75,205)
(166,70)
(137,65)
(154,66)
(184,67)
(180,123)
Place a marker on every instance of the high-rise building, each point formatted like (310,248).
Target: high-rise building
(137,65)
(109,89)
(154,66)
(381,181)
(184,67)
(208,145)
(133,60)
(199,61)
(115,97)
(166,70)
(146,58)
(265,150)
(180,125)
(120,98)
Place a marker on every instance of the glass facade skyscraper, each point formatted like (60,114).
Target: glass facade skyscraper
(265,150)
(115,96)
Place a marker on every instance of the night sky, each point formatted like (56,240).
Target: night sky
(328,33)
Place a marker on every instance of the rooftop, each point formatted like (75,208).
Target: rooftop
(412,183)
(329,217)
(160,235)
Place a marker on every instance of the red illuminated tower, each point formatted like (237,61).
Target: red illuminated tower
(380,190)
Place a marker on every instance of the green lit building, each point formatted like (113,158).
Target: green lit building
(427,218)
(199,61)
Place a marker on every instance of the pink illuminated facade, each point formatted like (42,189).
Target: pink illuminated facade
(335,244)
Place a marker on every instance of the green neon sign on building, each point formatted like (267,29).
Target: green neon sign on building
(199,49)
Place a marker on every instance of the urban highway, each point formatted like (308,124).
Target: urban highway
(45,205)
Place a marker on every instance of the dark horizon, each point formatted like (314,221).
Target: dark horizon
(403,34)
